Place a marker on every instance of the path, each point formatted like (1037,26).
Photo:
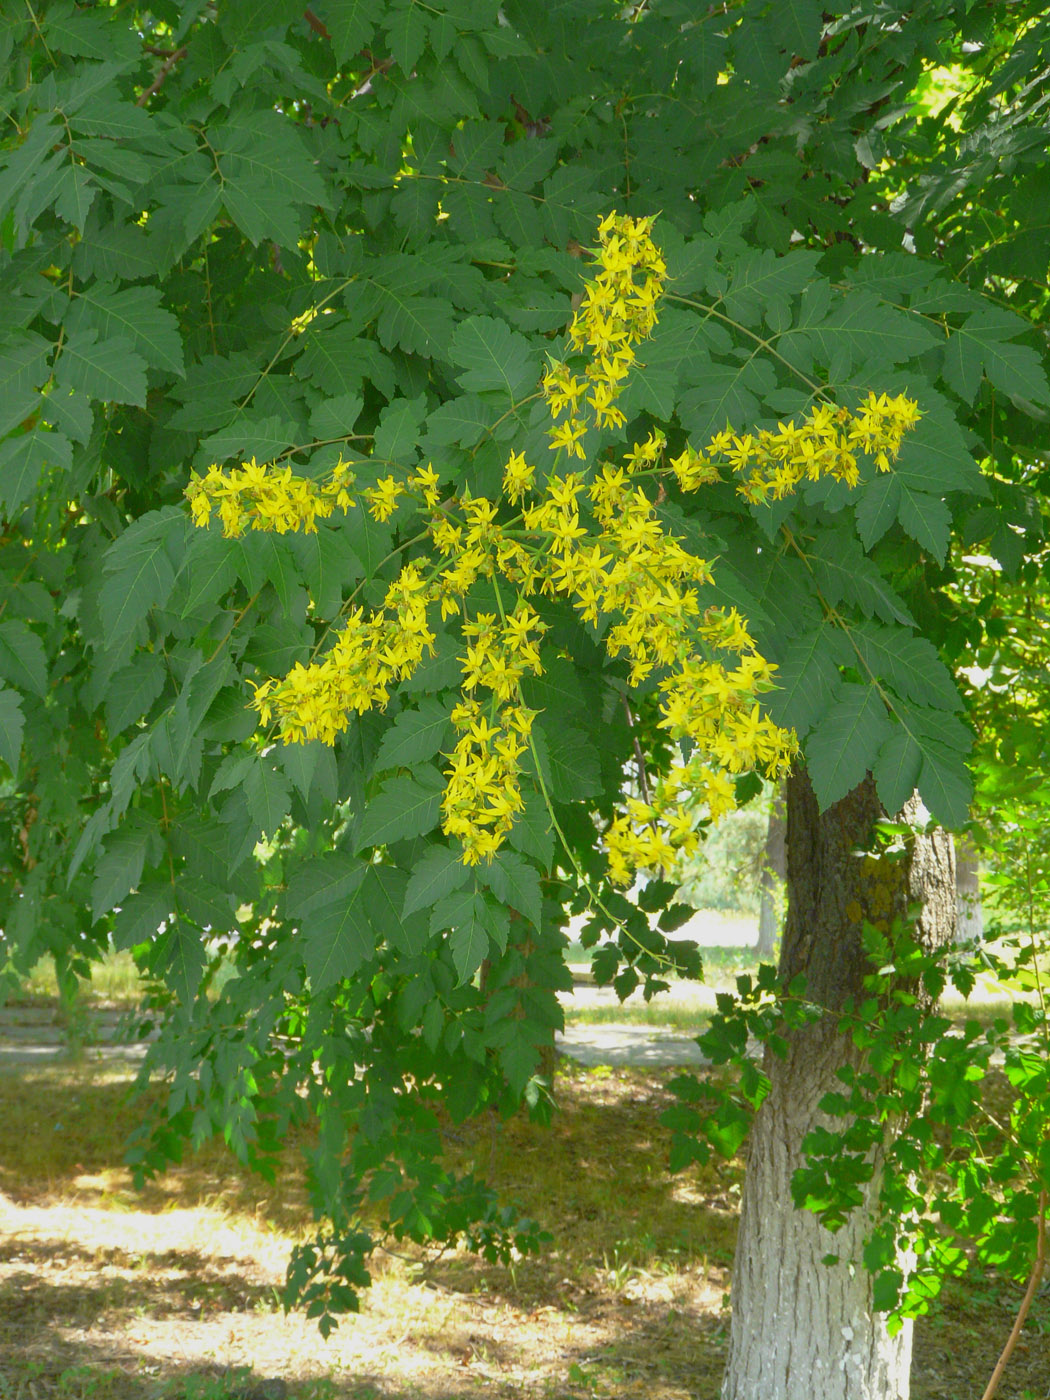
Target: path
(32,1035)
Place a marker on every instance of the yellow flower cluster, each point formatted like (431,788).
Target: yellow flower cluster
(371,653)
(617,311)
(825,443)
(267,498)
(592,538)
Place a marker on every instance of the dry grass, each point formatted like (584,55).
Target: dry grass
(106,1294)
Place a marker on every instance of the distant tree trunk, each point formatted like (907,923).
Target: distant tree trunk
(969,917)
(802,1329)
(771,884)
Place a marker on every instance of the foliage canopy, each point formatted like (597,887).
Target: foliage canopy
(346,238)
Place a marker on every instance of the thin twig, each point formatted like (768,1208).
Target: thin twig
(165,68)
(1034,1278)
(643,780)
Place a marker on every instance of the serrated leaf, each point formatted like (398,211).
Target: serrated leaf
(877,507)
(133,314)
(983,346)
(23,661)
(437,873)
(575,769)
(397,433)
(407,806)
(415,735)
(12,725)
(846,743)
(927,520)
(385,896)
(493,356)
(533,830)
(210,569)
(515,883)
(23,461)
(108,370)
(139,573)
(350,23)
(248,436)
(337,938)
(206,905)
(897,769)
(184,959)
(142,915)
(269,796)
(267,175)
(471,922)
(910,664)
(119,869)
(806,681)
(945,784)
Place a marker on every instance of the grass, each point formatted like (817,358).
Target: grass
(170,1294)
(114,981)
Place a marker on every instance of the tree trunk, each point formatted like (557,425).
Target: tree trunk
(801,1328)
(771,884)
(969,916)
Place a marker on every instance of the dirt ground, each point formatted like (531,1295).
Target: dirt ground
(108,1294)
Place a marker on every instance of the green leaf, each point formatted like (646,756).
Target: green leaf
(104,369)
(515,883)
(533,831)
(493,356)
(328,898)
(184,960)
(407,806)
(23,661)
(267,176)
(473,922)
(350,23)
(397,435)
(575,768)
(415,735)
(927,519)
(269,796)
(210,569)
(945,784)
(437,873)
(23,461)
(132,314)
(119,869)
(982,345)
(846,743)
(12,723)
(806,681)
(877,508)
(897,769)
(142,915)
(139,572)
(909,663)
(23,370)
(385,895)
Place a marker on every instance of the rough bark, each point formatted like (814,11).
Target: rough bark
(801,1328)
(969,916)
(771,884)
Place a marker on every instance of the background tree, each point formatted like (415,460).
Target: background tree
(354,235)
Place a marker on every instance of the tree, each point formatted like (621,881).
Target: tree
(346,243)
(832,894)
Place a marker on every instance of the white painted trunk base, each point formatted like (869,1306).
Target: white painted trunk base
(802,1330)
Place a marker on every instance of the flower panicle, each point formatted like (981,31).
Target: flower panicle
(593,539)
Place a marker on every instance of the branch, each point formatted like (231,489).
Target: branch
(1026,1302)
(165,68)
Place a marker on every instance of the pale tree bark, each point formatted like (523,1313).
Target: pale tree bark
(800,1328)
(969,916)
(771,883)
